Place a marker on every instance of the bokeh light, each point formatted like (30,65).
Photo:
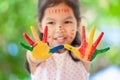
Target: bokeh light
(13,49)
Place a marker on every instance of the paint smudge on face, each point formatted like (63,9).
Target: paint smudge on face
(59,10)
(71,37)
(72,32)
(60,29)
(49,36)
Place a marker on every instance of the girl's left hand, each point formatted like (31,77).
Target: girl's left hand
(87,50)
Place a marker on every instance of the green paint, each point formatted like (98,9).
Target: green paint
(99,52)
(26,47)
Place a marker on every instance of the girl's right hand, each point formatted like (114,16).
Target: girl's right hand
(39,49)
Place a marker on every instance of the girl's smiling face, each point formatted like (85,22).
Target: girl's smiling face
(62,25)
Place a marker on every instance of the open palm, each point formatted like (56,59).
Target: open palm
(39,49)
(87,50)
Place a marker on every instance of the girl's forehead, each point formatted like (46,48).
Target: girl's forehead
(60,8)
(60,11)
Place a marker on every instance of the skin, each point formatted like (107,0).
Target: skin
(62,26)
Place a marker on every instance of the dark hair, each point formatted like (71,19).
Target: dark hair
(73,4)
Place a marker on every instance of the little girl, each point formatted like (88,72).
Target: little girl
(63,20)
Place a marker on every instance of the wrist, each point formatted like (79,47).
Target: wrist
(32,61)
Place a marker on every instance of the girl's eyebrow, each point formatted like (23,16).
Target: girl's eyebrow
(69,17)
(50,18)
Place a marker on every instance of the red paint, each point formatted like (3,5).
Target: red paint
(84,44)
(45,34)
(72,33)
(95,45)
(59,10)
(29,40)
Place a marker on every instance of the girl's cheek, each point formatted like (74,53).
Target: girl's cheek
(72,33)
(49,34)
(49,37)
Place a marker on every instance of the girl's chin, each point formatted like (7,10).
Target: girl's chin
(57,43)
(61,51)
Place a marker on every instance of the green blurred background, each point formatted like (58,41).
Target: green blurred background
(16,16)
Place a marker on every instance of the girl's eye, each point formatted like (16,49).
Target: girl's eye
(68,22)
(51,23)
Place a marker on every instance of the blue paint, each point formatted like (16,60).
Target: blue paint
(53,50)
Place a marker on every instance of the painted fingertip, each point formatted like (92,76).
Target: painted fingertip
(99,52)
(26,47)
(98,39)
(45,34)
(29,40)
(55,49)
(103,50)
(34,33)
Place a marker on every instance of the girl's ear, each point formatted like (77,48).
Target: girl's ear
(39,26)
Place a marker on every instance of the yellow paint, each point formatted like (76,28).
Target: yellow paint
(41,52)
(35,35)
(74,50)
(90,41)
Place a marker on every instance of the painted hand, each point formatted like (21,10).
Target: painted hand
(87,50)
(39,49)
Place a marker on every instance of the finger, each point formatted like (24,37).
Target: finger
(30,41)
(55,49)
(83,34)
(95,45)
(89,43)
(26,47)
(74,50)
(45,34)
(35,35)
(98,40)
(99,52)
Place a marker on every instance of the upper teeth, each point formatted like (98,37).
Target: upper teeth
(60,38)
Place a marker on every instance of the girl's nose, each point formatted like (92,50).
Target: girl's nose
(60,29)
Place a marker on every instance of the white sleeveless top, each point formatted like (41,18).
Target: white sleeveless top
(60,67)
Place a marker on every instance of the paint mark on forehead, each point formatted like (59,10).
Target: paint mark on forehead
(60,10)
